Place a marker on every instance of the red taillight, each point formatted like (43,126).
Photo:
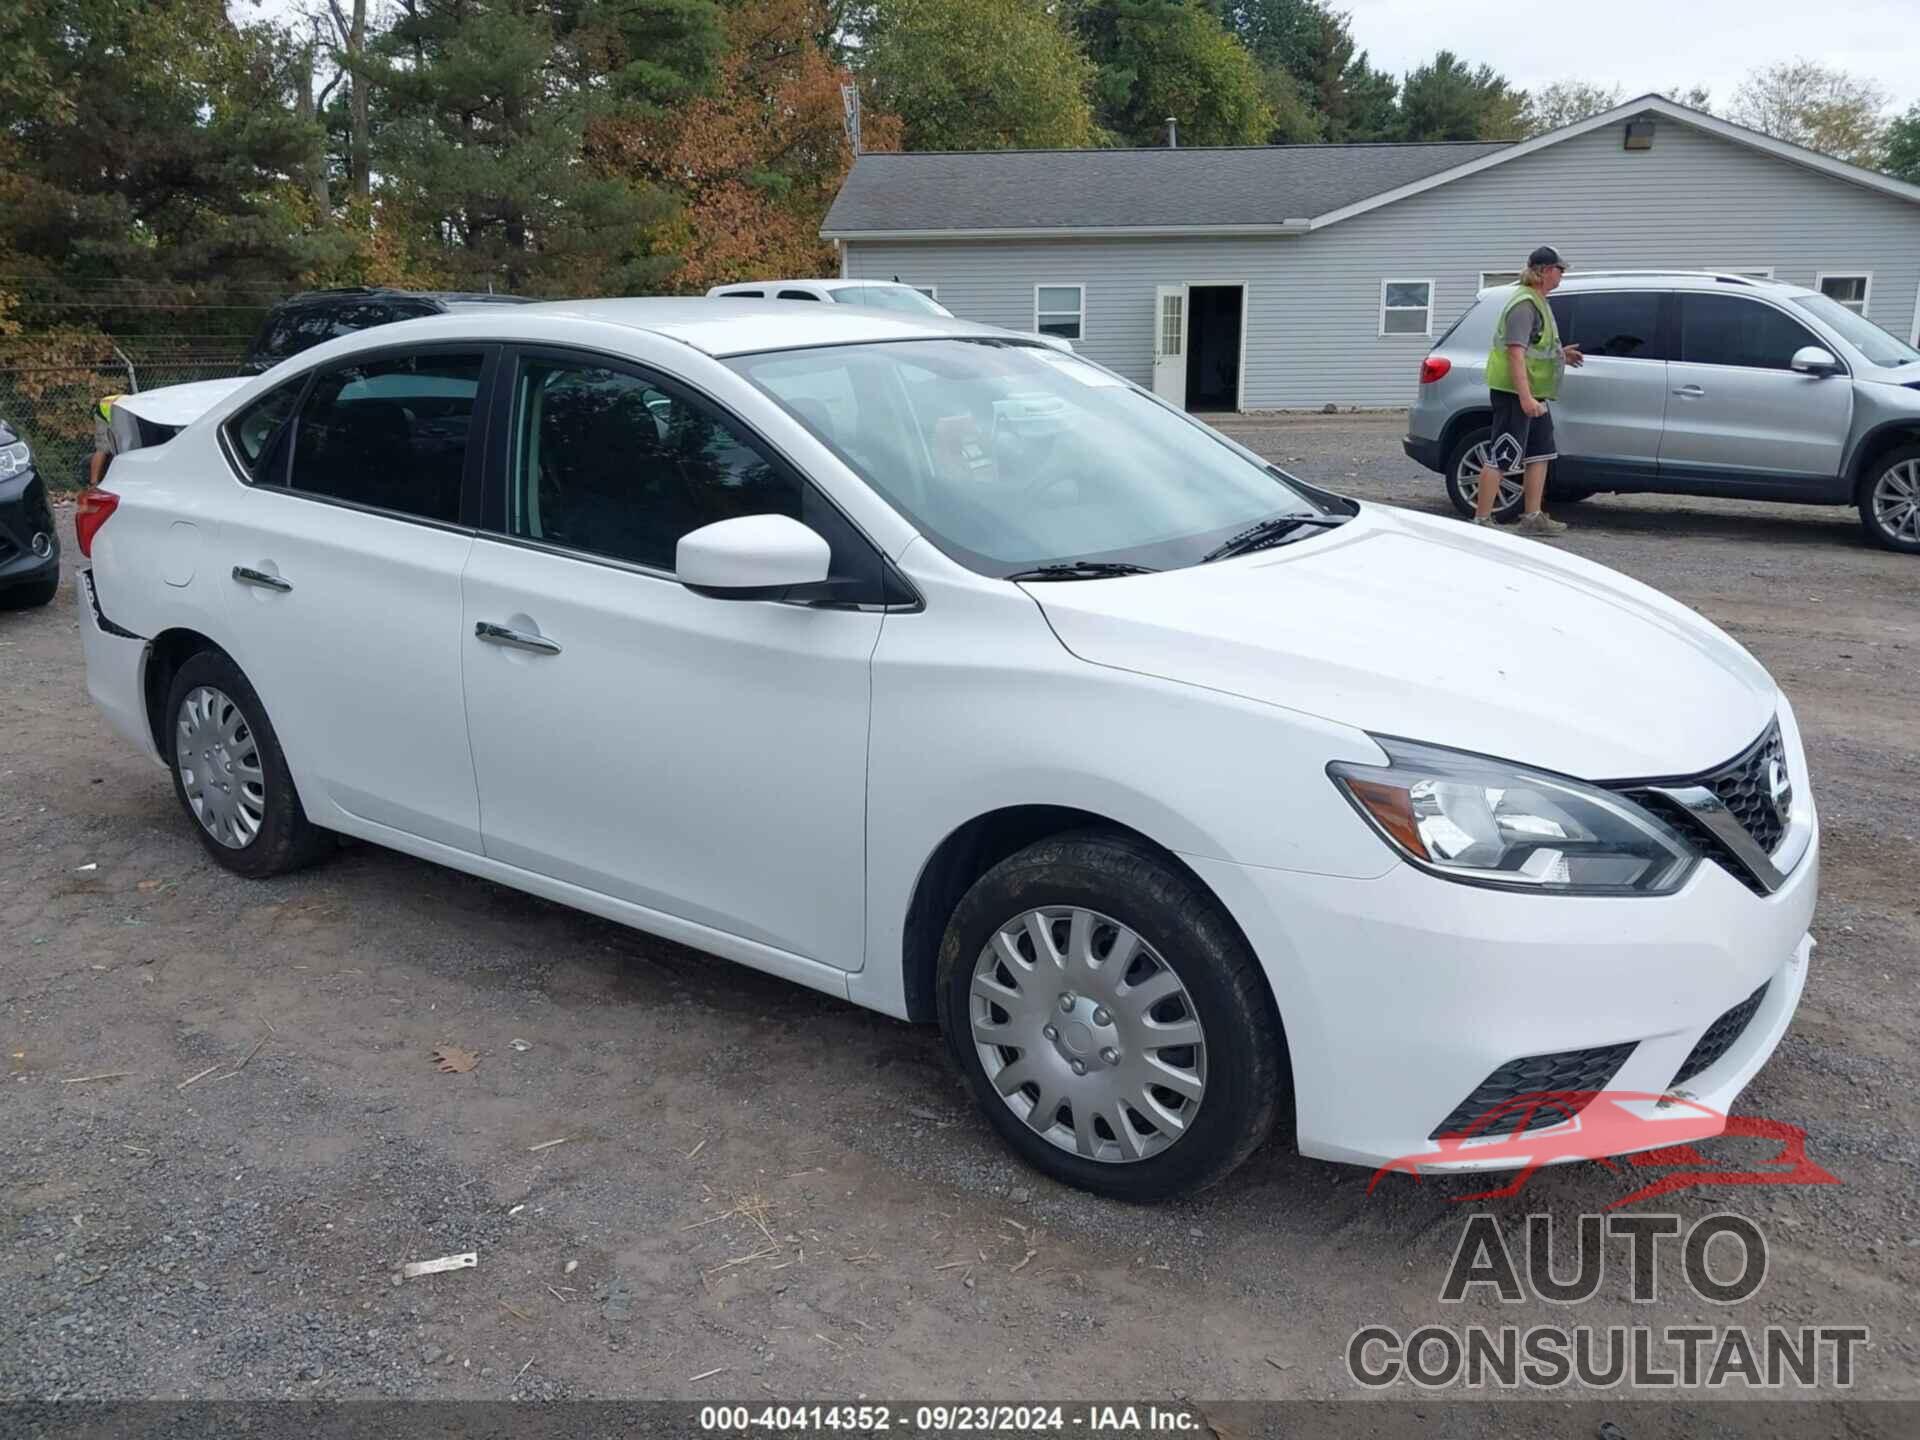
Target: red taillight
(1433,367)
(90,512)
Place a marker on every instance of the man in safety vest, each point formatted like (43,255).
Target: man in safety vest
(115,429)
(1524,365)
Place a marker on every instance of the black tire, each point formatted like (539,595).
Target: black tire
(1879,533)
(1247,1075)
(1464,499)
(285,839)
(30,596)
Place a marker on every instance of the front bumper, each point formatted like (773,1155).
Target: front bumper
(26,523)
(1401,995)
(1422,451)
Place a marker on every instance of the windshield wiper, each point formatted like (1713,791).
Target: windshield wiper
(1271,531)
(1081,570)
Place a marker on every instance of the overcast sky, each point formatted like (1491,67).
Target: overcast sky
(1643,45)
(1639,45)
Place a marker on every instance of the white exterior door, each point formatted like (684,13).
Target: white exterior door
(1170,344)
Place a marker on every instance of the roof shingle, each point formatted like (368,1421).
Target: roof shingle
(1125,189)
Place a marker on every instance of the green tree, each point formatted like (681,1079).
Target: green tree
(1566,102)
(1161,58)
(486,117)
(1900,147)
(977,74)
(1446,99)
(1810,104)
(1313,43)
(146,161)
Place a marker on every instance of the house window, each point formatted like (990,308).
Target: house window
(1406,307)
(1849,290)
(1490,278)
(1059,310)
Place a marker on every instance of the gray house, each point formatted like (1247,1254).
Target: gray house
(1287,276)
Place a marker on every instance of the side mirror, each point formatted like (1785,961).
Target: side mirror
(1813,360)
(755,557)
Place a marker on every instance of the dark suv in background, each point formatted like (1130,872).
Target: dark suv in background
(303,321)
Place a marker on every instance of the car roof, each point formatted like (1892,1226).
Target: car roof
(719,329)
(381,292)
(1677,280)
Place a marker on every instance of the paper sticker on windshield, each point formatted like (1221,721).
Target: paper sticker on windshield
(1078,369)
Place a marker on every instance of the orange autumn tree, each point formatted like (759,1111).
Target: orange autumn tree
(757,161)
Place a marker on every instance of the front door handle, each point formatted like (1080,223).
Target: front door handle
(500,635)
(265,581)
(1692,392)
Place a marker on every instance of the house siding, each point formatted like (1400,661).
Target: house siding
(1694,201)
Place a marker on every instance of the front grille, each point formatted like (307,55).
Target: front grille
(1745,787)
(1720,1037)
(1495,1107)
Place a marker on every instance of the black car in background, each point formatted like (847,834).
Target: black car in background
(29,545)
(302,321)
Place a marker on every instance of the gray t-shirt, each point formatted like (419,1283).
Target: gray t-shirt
(1524,324)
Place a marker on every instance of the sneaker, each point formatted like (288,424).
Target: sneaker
(1483,520)
(1538,522)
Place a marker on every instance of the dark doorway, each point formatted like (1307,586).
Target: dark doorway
(1213,346)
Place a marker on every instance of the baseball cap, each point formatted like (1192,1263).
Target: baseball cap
(1545,255)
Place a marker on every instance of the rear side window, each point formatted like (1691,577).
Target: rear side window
(743,295)
(389,432)
(1624,325)
(303,326)
(1728,330)
(796,295)
(251,432)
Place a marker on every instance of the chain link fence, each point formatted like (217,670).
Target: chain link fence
(52,407)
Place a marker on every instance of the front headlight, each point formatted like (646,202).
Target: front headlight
(1488,822)
(14,458)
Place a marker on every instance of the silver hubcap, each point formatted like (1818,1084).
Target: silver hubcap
(1088,1035)
(1896,501)
(1471,464)
(219,764)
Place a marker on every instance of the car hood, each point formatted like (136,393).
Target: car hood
(1401,624)
(1892,374)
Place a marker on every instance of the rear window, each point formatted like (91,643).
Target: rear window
(300,327)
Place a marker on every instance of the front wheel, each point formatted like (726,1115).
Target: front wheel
(1464,463)
(1890,500)
(1110,1019)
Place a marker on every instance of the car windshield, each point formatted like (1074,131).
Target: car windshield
(888,297)
(1011,456)
(1879,346)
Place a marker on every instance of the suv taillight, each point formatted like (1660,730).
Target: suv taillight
(1433,367)
(90,512)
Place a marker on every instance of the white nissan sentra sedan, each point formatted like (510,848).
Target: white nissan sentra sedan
(961,678)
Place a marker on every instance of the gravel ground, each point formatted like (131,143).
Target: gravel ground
(761,1182)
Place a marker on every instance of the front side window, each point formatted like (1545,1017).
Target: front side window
(1623,325)
(1729,330)
(1879,346)
(251,432)
(1847,291)
(609,463)
(389,432)
(1406,307)
(1012,456)
(1060,310)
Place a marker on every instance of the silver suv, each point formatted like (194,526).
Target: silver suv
(1697,384)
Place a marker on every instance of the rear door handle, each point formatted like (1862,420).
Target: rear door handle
(265,581)
(1692,392)
(500,635)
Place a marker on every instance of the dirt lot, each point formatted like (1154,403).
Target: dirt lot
(758,1178)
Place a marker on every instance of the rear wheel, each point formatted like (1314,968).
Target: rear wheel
(1111,1020)
(1469,454)
(1890,500)
(230,775)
